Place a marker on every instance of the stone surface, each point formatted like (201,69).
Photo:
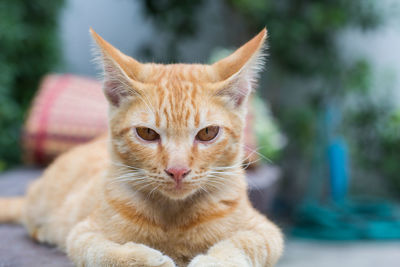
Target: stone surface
(306,253)
(16,248)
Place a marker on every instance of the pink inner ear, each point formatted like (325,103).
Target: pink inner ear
(114,92)
(239,91)
(239,100)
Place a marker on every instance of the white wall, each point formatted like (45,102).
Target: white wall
(119,21)
(123,24)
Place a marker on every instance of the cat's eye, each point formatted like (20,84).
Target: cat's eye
(147,134)
(207,134)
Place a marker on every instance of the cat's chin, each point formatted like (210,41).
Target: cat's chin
(178,193)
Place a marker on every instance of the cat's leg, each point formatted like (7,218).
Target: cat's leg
(252,248)
(86,246)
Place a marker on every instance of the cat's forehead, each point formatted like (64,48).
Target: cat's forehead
(179,96)
(179,110)
(179,88)
(178,73)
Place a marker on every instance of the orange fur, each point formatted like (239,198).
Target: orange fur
(110,203)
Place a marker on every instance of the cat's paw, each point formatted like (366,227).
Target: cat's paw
(132,254)
(218,260)
(205,261)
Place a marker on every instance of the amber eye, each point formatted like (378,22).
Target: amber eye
(207,134)
(147,134)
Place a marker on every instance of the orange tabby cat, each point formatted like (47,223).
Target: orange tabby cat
(166,186)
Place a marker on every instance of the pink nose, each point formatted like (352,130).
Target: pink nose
(177,173)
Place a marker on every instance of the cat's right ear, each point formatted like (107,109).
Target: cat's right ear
(120,71)
(238,73)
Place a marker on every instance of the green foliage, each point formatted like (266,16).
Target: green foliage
(302,32)
(375,137)
(29,49)
(390,146)
(175,16)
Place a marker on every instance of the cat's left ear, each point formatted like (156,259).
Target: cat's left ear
(238,73)
(122,73)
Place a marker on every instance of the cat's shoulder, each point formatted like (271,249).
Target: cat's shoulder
(91,154)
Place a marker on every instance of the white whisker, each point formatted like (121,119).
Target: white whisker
(258,153)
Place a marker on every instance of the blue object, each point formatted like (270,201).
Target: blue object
(338,170)
(336,216)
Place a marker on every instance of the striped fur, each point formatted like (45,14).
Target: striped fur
(110,203)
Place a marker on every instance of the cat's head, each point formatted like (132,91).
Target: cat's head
(177,129)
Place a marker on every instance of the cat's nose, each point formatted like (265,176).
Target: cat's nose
(177,173)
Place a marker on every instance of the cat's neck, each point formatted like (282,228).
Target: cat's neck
(169,213)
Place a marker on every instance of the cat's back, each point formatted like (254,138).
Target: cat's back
(73,169)
(67,191)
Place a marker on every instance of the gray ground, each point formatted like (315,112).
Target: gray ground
(340,254)
(16,249)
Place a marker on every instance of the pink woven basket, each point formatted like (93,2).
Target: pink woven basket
(67,110)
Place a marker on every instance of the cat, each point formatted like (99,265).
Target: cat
(165,186)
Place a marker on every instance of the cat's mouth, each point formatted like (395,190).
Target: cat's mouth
(180,187)
(179,190)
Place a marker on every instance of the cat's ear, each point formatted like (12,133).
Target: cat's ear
(238,73)
(120,71)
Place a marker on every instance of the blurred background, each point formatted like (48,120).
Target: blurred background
(324,123)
